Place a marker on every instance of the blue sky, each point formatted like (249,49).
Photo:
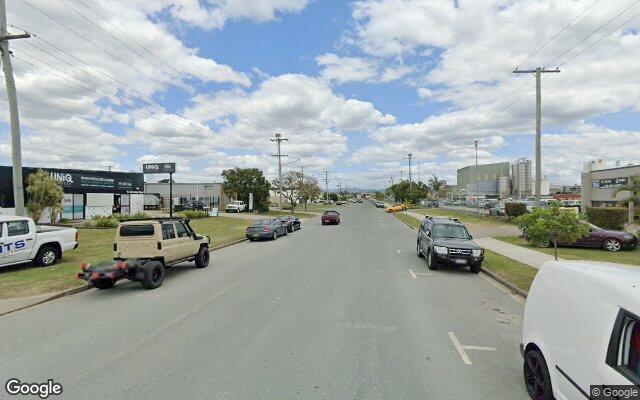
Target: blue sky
(355,86)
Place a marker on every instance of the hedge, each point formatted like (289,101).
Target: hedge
(515,209)
(608,217)
(192,214)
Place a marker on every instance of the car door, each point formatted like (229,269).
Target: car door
(186,244)
(17,242)
(591,239)
(170,244)
(422,233)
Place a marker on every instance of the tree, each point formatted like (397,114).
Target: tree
(437,185)
(379,196)
(401,191)
(552,225)
(239,182)
(309,190)
(43,192)
(291,182)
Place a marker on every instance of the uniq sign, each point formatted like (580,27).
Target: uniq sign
(159,168)
(64,178)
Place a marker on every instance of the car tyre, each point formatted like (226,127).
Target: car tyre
(47,256)
(431,263)
(475,268)
(153,275)
(536,376)
(275,235)
(420,255)
(103,284)
(612,245)
(202,258)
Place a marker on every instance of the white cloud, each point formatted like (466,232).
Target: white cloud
(356,69)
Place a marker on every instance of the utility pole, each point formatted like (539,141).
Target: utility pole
(16,150)
(409,158)
(326,185)
(477,180)
(278,139)
(400,175)
(538,71)
(418,159)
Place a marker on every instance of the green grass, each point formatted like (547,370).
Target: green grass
(462,216)
(97,245)
(631,257)
(515,272)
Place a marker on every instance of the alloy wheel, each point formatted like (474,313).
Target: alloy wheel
(612,245)
(48,257)
(534,376)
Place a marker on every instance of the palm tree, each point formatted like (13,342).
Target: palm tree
(436,184)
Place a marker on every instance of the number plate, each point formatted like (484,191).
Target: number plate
(256,235)
(460,261)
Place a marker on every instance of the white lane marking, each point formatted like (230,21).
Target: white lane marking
(423,273)
(413,274)
(516,297)
(485,348)
(458,346)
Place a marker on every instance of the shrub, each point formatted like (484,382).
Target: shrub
(515,209)
(127,217)
(192,214)
(106,222)
(607,217)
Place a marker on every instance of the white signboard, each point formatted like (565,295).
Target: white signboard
(250,201)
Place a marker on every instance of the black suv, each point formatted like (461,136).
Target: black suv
(447,241)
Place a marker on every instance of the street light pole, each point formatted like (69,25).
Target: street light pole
(477,179)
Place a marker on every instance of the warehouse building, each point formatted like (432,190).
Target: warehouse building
(487,177)
(87,193)
(600,183)
(210,193)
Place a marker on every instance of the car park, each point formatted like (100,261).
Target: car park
(290,222)
(446,241)
(144,248)
(22,241)
(593,338)
(395,208)
(330,217)
(267,228)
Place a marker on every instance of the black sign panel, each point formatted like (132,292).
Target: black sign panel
(610,183)
(159,168)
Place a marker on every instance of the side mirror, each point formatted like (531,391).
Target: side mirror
(428,233)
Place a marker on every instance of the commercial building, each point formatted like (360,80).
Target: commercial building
(486,176)
(521,182)
(157,194)
(600,183)
(86,193)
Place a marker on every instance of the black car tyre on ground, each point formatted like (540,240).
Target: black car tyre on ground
(275,235)
(475,268)
(47,255)
(536,376)
(202,258)
(431,263)
(418,250)
(612,245)
(153,275)
(103,284)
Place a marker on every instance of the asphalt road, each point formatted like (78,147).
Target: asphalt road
(329,312)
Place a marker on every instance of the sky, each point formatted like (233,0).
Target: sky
(354,86)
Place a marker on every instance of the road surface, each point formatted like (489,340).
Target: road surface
(329,312)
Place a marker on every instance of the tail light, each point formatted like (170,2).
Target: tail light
(265,229)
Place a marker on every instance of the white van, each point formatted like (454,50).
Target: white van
(581,329)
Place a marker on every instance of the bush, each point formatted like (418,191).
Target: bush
(515,209)
(106,222)
(192,214)
(608,217)
(127,217)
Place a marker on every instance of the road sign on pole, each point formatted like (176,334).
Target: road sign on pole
(162,168)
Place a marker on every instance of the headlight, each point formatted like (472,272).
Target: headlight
(440,249)
(477,253)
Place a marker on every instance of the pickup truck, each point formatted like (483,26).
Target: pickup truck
(21,241)
(235,206)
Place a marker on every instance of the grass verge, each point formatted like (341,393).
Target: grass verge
(462,216)
(95,246)
(631,257)
(409,220)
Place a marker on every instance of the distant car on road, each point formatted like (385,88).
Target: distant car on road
(581,327)
(266,229)
(397,207)
(236,206)
(447,241)
(330,217)
(290,222)
(610,240)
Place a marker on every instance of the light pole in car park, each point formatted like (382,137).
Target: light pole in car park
(477,179)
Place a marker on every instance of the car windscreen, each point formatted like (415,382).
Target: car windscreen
(452,231)
(136,230)
(330,213)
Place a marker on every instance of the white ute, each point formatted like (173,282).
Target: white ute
(22,241)
(581,330)
(235,206)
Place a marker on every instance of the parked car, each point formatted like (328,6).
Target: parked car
(21,241)
(291,222)
(394,208)
(266,229)
(593,338)
(330,217)
(197,205)
(236,206)
(610,240)
(498,209)
(447,241)
(143,249)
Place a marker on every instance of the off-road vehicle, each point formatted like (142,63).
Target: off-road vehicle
(144,248)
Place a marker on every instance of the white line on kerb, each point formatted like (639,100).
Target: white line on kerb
(458,346)
(413,274)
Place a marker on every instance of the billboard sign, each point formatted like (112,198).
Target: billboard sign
(159,168)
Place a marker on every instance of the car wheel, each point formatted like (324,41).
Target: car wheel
(275,235)
(202,258)
(286,232)
(47,256)
(103,284)
(475,268)
(431,263)
(536,376)
(153,275)
(612,245)
(420,255)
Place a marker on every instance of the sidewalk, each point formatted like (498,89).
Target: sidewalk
(526,256)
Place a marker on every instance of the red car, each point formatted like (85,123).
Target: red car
(330,217)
